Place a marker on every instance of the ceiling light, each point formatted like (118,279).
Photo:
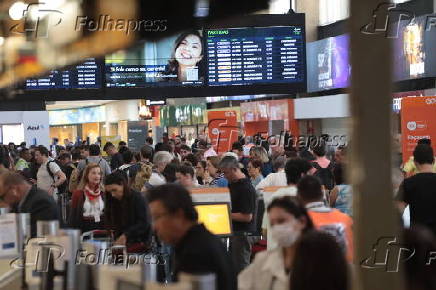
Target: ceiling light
(16,12)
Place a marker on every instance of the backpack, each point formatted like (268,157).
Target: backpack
(125,171)
(61,188)
(325,175)
(143,176)
(76,176)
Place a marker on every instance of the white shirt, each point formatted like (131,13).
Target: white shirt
(43,178)
(266,272)
(156,179)
(273,179)
(93,209)
(406,217)
(268,198)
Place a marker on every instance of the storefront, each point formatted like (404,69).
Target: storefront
(189,121)
(92,122)
(31,127)
(269,117)
(323,115)
(77,124)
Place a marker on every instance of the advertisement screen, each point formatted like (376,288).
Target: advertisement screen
(409,51)
(414,53)
(328,65)
(173,61)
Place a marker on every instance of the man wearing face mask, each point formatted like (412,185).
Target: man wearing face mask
(25,198)
(270,269)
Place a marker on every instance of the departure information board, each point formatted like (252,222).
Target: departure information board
(84,76)
(255,55)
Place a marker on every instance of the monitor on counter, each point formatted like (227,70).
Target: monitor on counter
(215,217)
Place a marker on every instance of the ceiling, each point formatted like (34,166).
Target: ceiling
(74,104)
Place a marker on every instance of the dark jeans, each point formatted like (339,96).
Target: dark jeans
(240,251)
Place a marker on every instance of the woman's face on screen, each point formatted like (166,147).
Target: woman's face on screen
(189,51)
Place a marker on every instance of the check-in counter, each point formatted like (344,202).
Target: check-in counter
(210,194)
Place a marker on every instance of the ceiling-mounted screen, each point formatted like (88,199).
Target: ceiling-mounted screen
(172,61)
(255,55)
(414,53)
(248,55)
(328,66)
(87,75)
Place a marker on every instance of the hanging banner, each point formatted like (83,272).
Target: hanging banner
(417,122)
(223,130)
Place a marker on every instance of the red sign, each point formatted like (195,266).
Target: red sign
(223,130)
(418,121)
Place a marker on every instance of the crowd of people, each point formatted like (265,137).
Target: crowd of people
(304,231)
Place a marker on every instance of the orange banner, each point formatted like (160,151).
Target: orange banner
(418,121)
(223,130)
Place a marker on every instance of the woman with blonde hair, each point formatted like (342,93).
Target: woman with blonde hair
(87,203)
(259,153)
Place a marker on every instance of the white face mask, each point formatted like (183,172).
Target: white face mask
(286,234)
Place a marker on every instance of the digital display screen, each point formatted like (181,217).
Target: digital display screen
(239,56)
(173,61)
(215,217)
(328,65)
(83,76)
(245,56)
(250,55)
(410,61)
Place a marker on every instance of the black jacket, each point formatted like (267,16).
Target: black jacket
(116,161)
(41,207)
(200,252)
(138,225)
